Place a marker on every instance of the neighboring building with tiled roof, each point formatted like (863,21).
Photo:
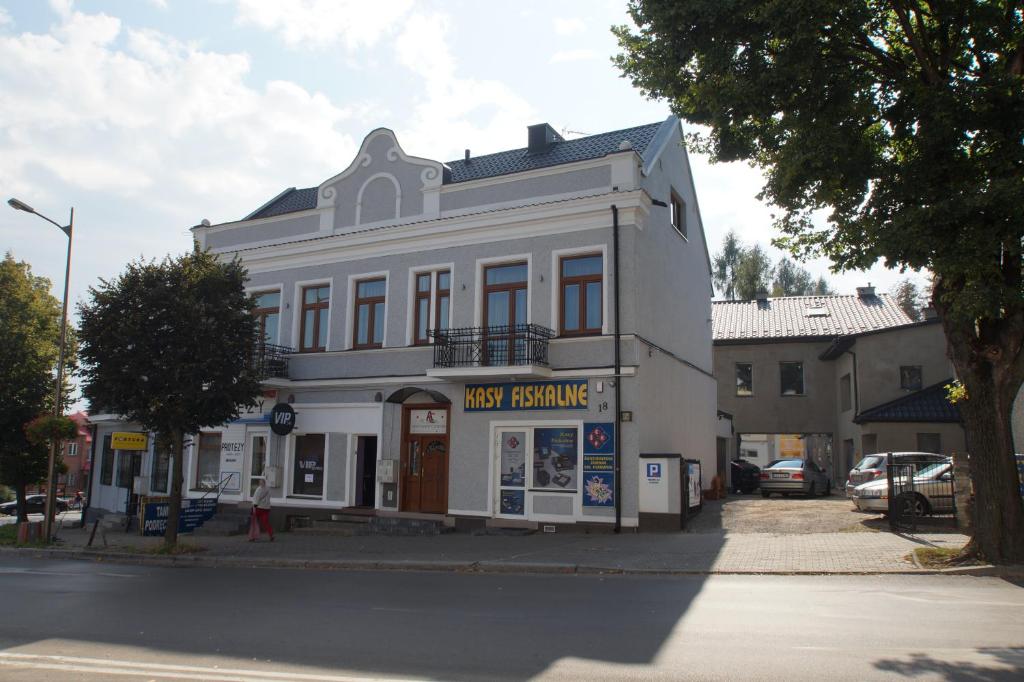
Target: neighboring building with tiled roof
(927,405)
(642,139)
(837,376)
(792,317)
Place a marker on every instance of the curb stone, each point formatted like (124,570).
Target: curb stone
(489,566)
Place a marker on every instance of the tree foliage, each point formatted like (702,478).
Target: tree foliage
(743,272)
(725,264)
(30,344)
(902,121)
(910,298)
(169,346)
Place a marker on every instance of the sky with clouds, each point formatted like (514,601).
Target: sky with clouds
(149,115)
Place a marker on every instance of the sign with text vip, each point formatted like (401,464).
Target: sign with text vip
(568,394)
(129,440)
(599,464)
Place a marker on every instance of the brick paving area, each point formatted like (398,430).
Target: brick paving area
(707,552)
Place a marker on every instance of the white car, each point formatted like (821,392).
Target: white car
(932,492)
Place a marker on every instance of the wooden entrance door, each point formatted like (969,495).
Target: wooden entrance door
(424,484)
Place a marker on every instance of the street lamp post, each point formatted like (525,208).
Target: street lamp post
(59,389)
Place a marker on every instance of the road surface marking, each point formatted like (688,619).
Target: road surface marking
(161,670)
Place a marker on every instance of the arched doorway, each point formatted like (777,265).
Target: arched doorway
(423,477)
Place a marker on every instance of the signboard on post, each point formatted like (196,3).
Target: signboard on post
(129,440)
(194,513)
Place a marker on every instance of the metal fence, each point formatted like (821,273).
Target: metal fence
(921,492)
(499,346)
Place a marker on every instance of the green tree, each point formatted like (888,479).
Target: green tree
(822,287)
(909,297)
(753,272)
(725,263)
(901,121)
(169,345)
(30,341)
(789,279)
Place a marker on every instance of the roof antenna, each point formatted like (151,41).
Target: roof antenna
(566,131)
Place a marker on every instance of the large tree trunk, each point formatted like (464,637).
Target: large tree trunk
(988,360)
(174,510)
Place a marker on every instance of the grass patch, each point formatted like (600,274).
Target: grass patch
(180,548)
(9,537)
(942,557)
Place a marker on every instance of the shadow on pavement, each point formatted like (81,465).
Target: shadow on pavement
(1007,664)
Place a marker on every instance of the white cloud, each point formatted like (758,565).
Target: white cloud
(5,18)
(455,112)
(321,23)
(569,26)
(156,121)
(573,56)
(161,4)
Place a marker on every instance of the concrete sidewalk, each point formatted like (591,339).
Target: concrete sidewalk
(683,553)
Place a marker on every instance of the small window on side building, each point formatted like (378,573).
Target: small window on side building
(910,377)
(744,379)
(677,213)
(791,378)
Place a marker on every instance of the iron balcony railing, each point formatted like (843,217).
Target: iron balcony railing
(270,360)
(501,346)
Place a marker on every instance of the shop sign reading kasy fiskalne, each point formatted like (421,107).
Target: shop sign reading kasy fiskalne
(568,394)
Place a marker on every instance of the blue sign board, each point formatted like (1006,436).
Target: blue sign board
(599,464)
(654,470)
(194,513)
(569,394)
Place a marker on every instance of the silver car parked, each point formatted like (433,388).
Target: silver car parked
(800,476)
(873,467)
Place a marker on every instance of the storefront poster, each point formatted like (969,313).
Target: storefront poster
(599,464)
(555,458)
(513,502)
(693,476)
(569,394)
(513,458)
(231,454)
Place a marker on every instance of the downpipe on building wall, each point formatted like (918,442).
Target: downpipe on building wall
(618,374)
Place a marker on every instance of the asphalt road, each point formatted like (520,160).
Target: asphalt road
(97,621)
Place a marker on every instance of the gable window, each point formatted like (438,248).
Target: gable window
(581,302)
(791,375)
(910,377)
(316,308)
(431,287)
(369,312)
(744,378)
(505,306)
(267,314)
(845,393)
(677,213)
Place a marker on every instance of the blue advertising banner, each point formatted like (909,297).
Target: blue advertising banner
(194,513)
(568,394)
(599,464)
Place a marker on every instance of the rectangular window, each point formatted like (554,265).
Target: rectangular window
(581,301)
(554,459)
(677,213)
(369,313)
(910,377)
(308,473)
(316,305)
(267,314)
(505,307)
(208,461)
(72,449)
(432,296)
(744,378)
(161,468)
(129,465)
(845,393)
(259,462)
(107,464)
(929,442)
(791,375)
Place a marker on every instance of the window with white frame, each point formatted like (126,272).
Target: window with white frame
(677,213)
(431,304)
(369,307)
(72,449)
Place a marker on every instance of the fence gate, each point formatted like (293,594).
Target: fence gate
(920,490)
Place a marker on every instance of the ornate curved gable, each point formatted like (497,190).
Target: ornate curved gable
(382,185)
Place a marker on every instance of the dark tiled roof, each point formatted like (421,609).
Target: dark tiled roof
(793,317)
(927,405)
(290,201)
(568,151)
(501,163)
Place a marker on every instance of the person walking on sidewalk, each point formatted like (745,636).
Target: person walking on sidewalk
(261,512)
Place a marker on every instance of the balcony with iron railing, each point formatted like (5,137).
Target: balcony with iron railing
(270,361)
(519,350)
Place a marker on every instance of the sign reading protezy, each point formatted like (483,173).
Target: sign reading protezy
(569,394)
(282,419)
(129,440)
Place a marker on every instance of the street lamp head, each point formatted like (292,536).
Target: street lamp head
(20,205)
